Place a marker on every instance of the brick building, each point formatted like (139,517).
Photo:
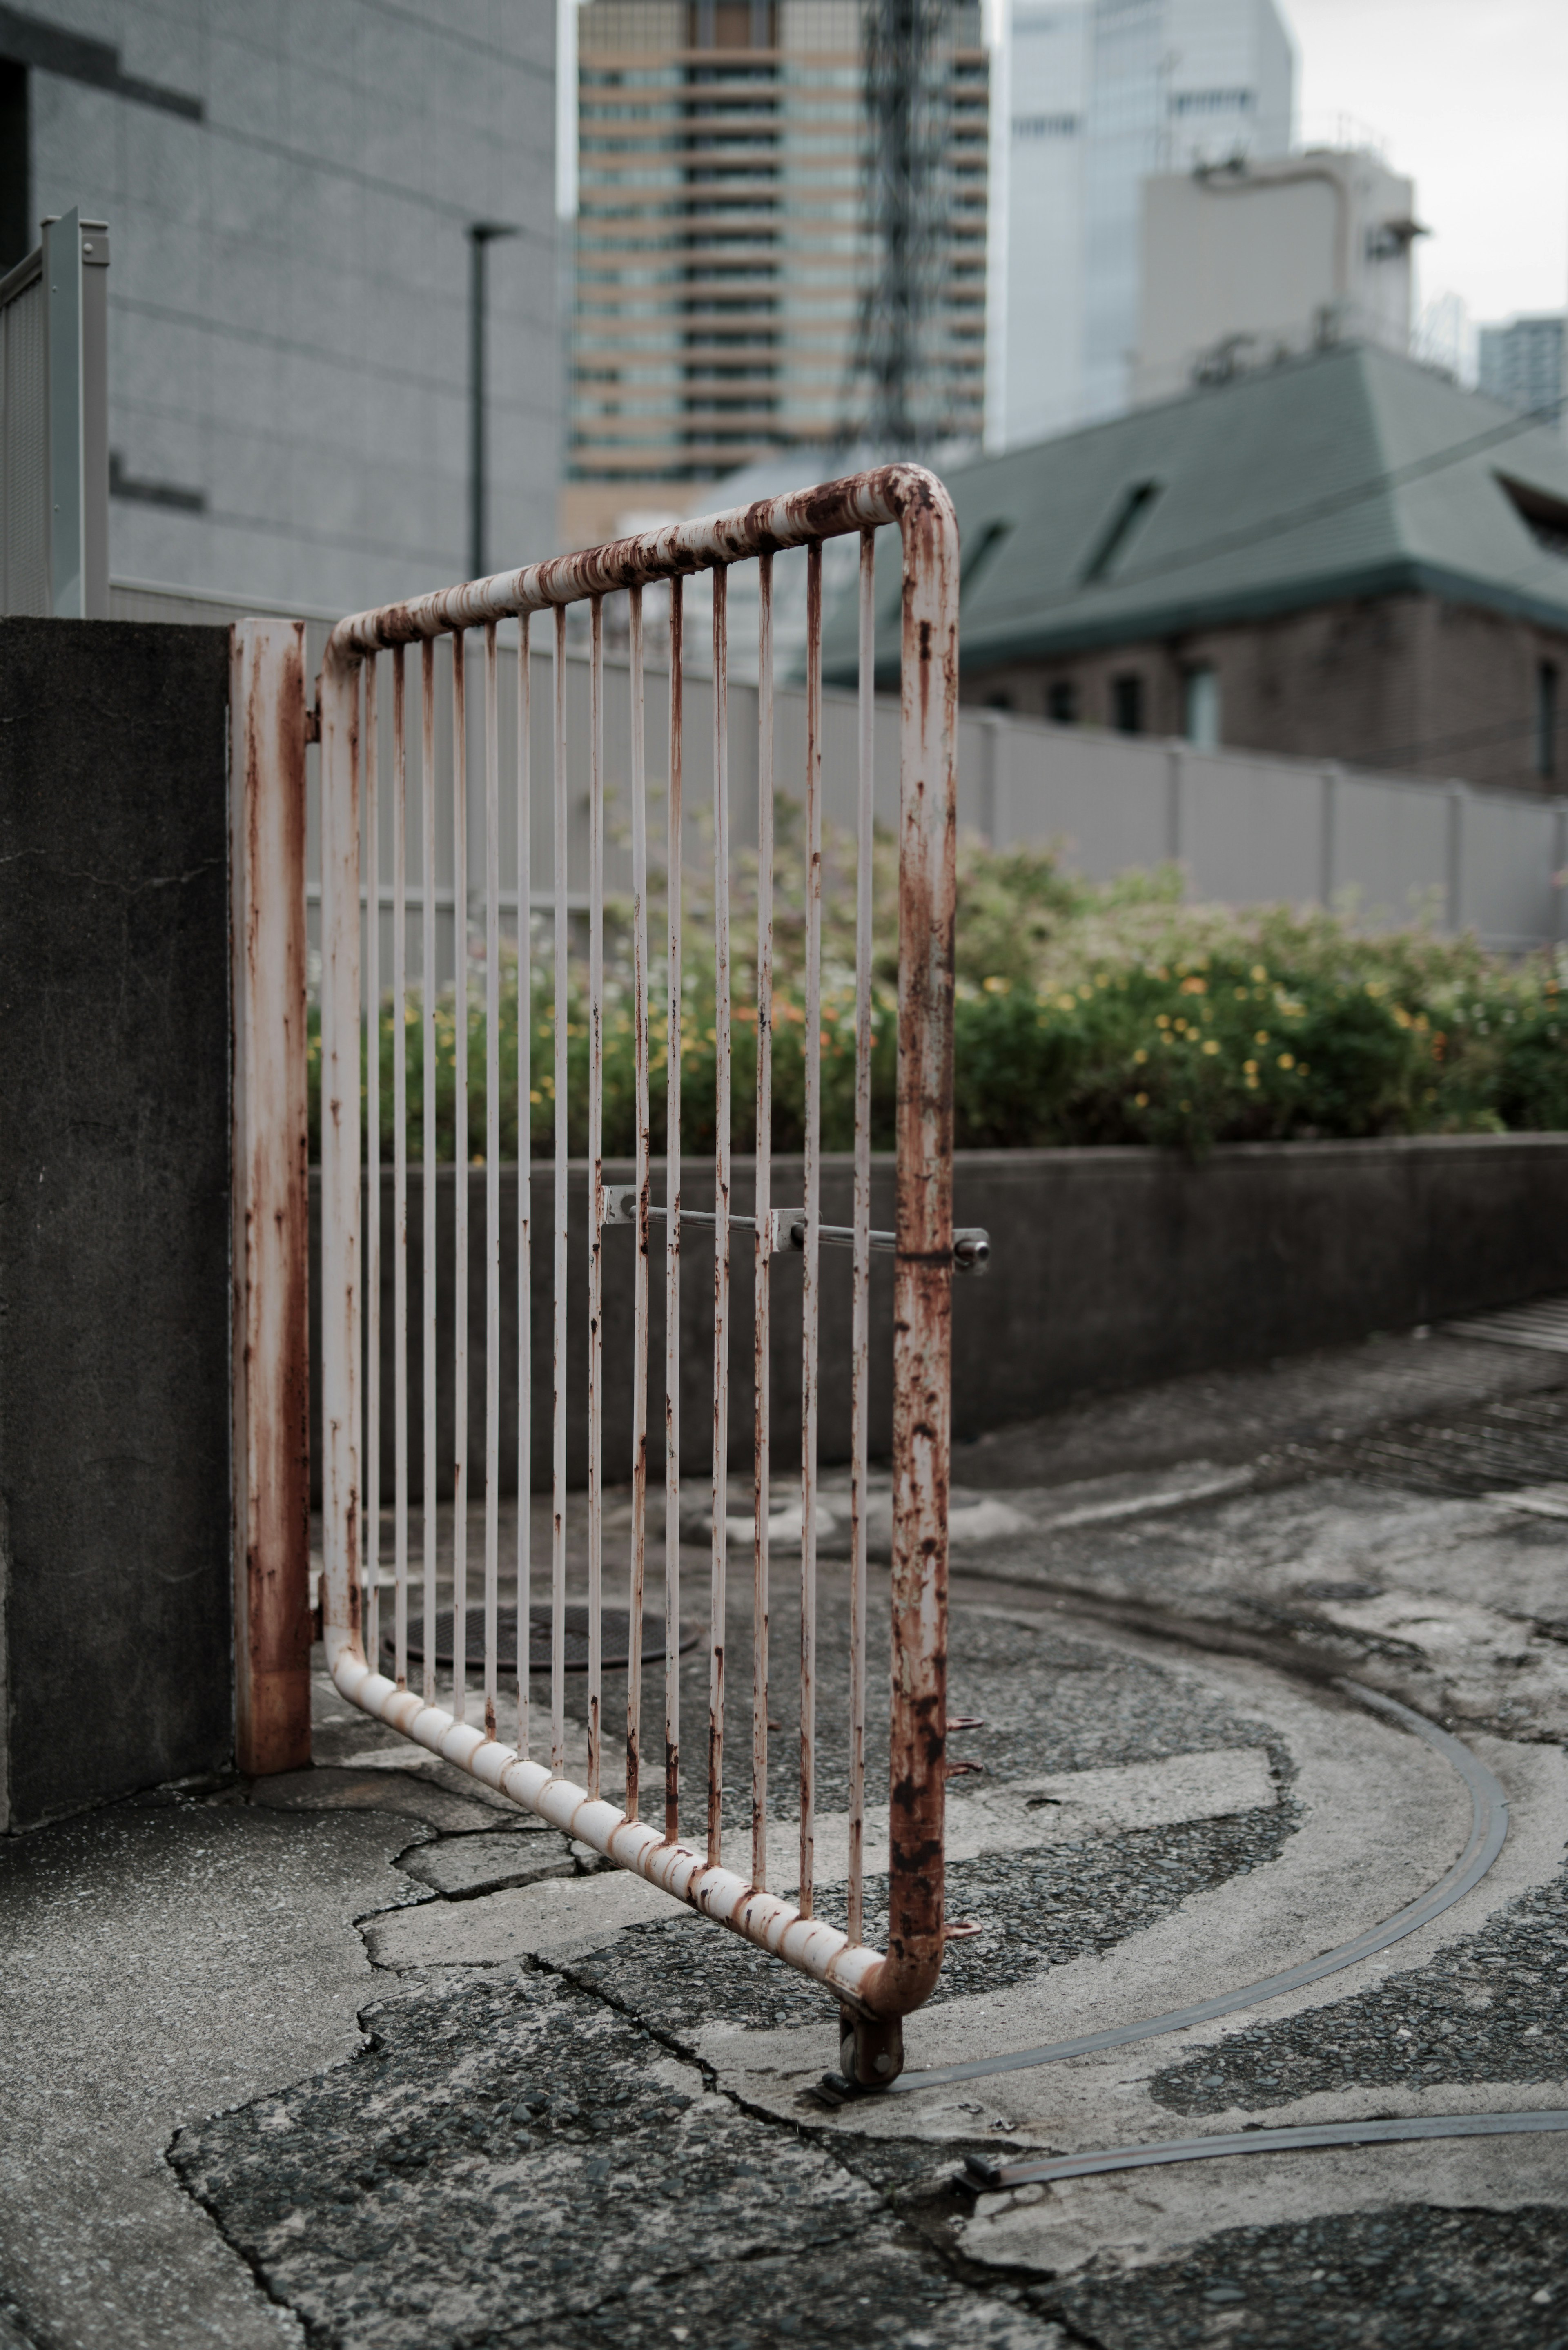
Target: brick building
(1344,556)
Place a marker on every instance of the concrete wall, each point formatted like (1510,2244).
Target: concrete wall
(1110,1267)
(114,1210)
(288,190)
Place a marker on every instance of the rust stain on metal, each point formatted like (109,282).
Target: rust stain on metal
(875,1989)
(811,1248)
(640,1268)
(271,1403)
(721,1515)
(762,1254)
(672,1235)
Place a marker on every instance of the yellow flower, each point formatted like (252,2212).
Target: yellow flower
(1066,1003)
(995,986)
(1194,987)
(1287,1060)
(1142,1100)
(1251,1069)
(1162,1019)
(1261,1038)
(1209,1045)
(1085,993)
(1140,1055)
(536,1097)
(1259,971)
(1241,996)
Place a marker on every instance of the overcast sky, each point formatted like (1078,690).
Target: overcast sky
(1471,98)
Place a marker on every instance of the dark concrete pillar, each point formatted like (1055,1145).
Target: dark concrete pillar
(115,1655)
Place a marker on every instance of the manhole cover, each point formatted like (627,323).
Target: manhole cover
(615,1638)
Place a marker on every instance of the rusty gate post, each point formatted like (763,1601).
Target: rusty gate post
(271,1201)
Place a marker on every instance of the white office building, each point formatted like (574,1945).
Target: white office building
(1092,97)
(1244,264)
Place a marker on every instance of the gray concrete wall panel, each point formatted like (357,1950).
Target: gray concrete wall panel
(114,1208)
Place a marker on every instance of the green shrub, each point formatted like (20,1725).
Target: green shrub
(1083,1014)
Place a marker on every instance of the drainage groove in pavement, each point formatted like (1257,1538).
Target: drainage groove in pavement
(1489,1828)
(979,2176)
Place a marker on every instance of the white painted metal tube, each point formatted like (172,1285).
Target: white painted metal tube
(807,1944)
(340,1260)
(638,786)
(811,1279)
(860,1309)
(558,1403)
(428,1270)
(721,1217)
(459,1188)
(372,1454)
(673,881)
(524,1180)
(492,1174)
(596,1189)
(400,1165)
(762,1241)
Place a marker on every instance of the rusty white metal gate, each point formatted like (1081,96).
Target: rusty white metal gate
(493,1730)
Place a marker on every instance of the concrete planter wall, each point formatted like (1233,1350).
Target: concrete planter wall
(1109,1267)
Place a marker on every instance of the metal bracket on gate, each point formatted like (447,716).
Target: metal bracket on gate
(786,1229)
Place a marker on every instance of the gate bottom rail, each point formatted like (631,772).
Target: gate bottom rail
(848,1970)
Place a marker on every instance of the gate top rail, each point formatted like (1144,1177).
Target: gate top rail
(900,493)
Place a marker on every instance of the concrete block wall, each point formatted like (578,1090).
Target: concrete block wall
(1109,1268)
(115,1649)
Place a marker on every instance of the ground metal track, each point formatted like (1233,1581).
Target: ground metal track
(1488,1830)
(980,2176)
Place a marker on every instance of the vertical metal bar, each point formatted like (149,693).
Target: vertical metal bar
(492,1173)
(595,1179)
(761,1258)
(639,781)
(427,1149)
(559,1422)
(720,1216)
(400,1166)
(340,1124)
(524,1178)
(372,1455)
(460,1154)
(810,1284)
(673,886)
(861,1318)
(271,1203)
(922,1279)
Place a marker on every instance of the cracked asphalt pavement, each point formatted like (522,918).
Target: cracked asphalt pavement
(363,2056)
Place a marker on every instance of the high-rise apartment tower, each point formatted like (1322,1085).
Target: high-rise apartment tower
(1099,95)
(738,189)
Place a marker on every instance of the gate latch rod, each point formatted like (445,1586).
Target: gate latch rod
(786,1229)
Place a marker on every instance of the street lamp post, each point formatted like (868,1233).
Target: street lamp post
(481,235)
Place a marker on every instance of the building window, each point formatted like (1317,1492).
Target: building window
(1061,701)
(1126,704)
(1200,708)
(1546,719)
(1131,514)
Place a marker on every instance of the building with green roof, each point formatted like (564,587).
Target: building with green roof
(1344,556)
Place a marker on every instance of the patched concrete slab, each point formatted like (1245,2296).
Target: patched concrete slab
(473,2114)
(163,1960)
